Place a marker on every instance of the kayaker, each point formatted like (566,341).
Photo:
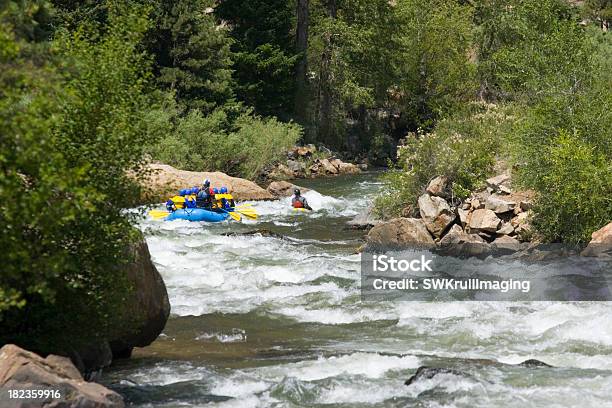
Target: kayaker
(299,201)
(204,197)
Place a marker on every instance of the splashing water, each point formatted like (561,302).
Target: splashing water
(274,318)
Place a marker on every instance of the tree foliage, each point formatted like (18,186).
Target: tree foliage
(71,129)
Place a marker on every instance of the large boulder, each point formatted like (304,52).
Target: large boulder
(284,189)
(23,370)
(400,232)
(601,242)
(436,214)
(145,313)
(164,181)
(483,220)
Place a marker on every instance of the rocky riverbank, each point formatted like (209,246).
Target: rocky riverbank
(494,220)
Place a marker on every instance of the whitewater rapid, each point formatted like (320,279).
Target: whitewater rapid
(288,303)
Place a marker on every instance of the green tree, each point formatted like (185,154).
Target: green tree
(71,130)
(192,56)
(264,53)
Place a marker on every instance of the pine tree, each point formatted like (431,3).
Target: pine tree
(192,54)
(264,53)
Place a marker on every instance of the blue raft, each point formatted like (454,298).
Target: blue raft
(197,214)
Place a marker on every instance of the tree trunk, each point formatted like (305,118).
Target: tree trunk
(325,86)
(301,97)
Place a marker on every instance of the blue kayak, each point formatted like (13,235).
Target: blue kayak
(197,214)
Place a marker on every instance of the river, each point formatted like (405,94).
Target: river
(274,319)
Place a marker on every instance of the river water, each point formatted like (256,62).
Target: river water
(274,319)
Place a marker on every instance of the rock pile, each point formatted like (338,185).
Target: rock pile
(302,163)
(492,219)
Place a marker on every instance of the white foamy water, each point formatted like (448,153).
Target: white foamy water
(308,275)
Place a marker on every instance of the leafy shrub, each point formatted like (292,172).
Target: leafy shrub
(575,190)
(562,149)
(71,129)
(240,147)
(462,148)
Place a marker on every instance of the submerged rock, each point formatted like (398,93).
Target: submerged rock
(23,370)
(261,231)
(427,373)
(532,363)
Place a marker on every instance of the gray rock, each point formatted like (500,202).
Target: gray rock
(533,363)
(427,373)
(296,167)
(505,229)
(452,236)
(400,232)
(498,204)
(461,244)
(483,220)
(436,214)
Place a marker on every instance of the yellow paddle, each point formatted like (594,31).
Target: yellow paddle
(234,216)
(249,213)
(158,214)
